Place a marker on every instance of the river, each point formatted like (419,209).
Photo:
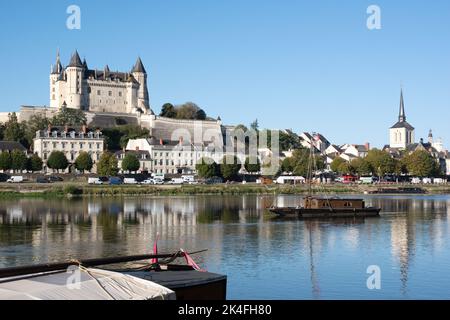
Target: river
(264,258)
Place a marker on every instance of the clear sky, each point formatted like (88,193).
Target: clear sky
(303,65)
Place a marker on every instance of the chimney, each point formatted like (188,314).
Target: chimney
(181,140)
(161,142)
(137,148)
(367,146)
(66,128)
(49,128)
(84,128)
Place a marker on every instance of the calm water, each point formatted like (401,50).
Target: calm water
(263,258)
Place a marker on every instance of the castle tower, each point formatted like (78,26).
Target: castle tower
(75,76)
(402,133)
(55,76)
(140,75)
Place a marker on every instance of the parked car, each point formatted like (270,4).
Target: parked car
(130,181)
(115,181)
(95,181)
(177,181)
(3,177)
(214,180)
(42,180)
(148,181)
(55,179)
(188,178)
(158,181)
(15,179)
(366,180)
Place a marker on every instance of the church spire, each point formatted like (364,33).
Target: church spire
(402,115)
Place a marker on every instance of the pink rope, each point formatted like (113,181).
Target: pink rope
(191,261)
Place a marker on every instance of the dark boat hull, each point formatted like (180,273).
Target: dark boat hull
(304,213)
(188,284)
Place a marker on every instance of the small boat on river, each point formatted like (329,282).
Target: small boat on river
(325,207)
(149,280)
(317,207)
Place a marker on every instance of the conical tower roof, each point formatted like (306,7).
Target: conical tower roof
(75,61)
(139,66)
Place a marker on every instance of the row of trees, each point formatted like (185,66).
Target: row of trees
(18,161)
(380,163)
(107,165)
(228,169)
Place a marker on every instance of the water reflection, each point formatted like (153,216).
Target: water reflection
(245,242)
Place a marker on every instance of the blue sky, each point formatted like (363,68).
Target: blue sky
(304,65)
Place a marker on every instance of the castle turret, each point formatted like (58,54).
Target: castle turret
(55,76)
(140,74)
(75,75)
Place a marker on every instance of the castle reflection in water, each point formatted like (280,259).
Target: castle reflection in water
(38,230)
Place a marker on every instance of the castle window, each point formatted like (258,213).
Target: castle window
(120,93)
(110,93)
(53,97)
(89,90)
(99,93)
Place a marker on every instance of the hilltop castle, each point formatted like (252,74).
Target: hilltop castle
(78,87)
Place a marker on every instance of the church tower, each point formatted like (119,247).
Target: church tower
(402,133)
(140,74)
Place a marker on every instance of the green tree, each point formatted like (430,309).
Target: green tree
(346,168)
(254,125)
(200,114)
(207,168)
(5,161)
(18,160)
(107,165)
(271,167)
(336,164)
(252,164)
(57,161)
(15,131)
(117,138)
(36,123)
(70,117)
(190,111)
(168,111)
(130,162)
(287,165)
(35,163)
(229,168)
(381,162)
(84,162)
(421,164)
(302,160)
(2,131)
(361,167)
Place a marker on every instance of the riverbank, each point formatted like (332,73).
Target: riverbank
(33,190)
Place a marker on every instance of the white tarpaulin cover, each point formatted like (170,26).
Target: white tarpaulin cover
(82,284)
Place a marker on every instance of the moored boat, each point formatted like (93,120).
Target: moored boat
(316,207)
(325,207)
(152,280)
